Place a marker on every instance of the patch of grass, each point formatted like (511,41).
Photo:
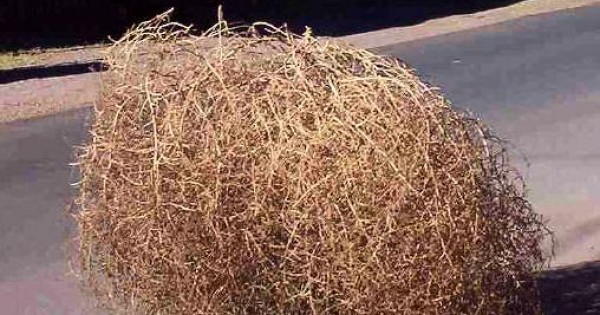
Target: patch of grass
(14,60)
(38,57)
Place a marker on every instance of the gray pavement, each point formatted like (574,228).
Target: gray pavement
(536,81)
(35,189)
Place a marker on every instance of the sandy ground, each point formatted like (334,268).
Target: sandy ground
(38,97)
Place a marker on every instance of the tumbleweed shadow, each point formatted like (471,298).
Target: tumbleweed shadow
(571,290)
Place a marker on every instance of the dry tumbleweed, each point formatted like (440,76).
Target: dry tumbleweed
(259,172)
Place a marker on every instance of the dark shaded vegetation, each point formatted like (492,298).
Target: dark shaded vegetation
(44,23)
(572,290)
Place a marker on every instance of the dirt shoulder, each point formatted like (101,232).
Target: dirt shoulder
(38,97)
(31,98)
(458,23)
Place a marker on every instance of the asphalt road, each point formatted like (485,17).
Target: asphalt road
(535,80)
(35,229)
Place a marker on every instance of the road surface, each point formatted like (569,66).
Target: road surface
(34,229)
(536,80)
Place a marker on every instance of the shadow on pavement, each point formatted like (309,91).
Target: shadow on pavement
(572,290)
(40,72)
